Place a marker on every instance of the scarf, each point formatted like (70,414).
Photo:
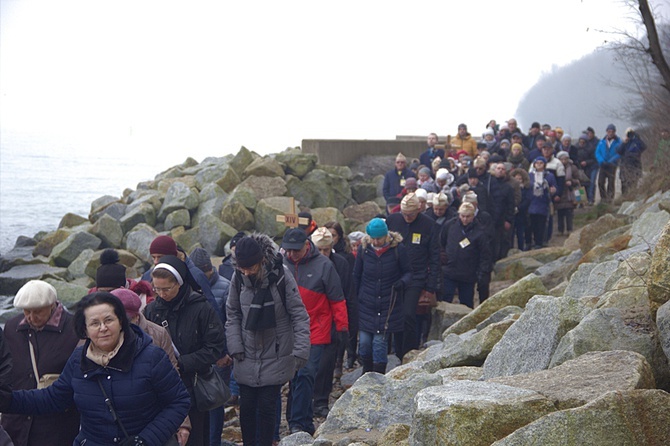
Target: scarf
(538,185)
(262,309)
(102,358)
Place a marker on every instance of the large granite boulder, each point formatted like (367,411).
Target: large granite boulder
(515,269)
(102,202)
(229,180)
(238,216)
(68,293)
(210,192)
(363,192)
(187,239)
(328,190)
(586,378)
(473,413)
(209,207)
(296,162)
(109,231)
(338,171)
(266,214)
(362,213)
(444,316)
(263,167)
(265,187)
(77,268)
(592,231)
(209,175)
(214,234)
(142,213)
(242,159)
(376,402)
(559,270)
(629,418)
(178,196)
(47,244)
(659,274)
(244,195)
(590,279)
(517,294)
(180,217)
(71,220)
(153,197)
(64,253)
(165,185)
(647,229)
(115,210)
(530,343)
(323,215)
(12,280)
(138,240)
(663,324)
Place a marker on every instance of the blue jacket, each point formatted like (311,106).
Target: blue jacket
(609,154)
(540,199)
(149,397)
(220,287)
(374,277)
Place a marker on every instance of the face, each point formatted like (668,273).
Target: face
(539,166)
(462,131)
(410,216)
(336,237)
(518,178)
(432,140)
(466,219)
(295,255)
(488,137)
(38,317)
(167,289)
(566,142)
(539,143)
(156,258)
(378,242)
(547,152)
(500,170)
(251,271)
(581,142)
(512,125)
(102,326)
(516,150)
(474,181)
(440,209)
(516,139)
(610,134)
(423,177)
(325,250)
(400,164)
(565,160)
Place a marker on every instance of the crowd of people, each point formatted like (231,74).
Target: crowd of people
(122,369)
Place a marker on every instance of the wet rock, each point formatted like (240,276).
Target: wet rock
(11,281)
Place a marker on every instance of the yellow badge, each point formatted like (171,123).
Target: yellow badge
(416,238)
(402,182)
(465,243)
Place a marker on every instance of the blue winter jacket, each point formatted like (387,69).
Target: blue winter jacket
(539,204)
(374,277)
(149,397)
(608,155)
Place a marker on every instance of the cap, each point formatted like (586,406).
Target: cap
(611,127)
(110,273)
(163,245)
(248,252)
(377,228)
(466,209)
(322,238)
(410,203)
(130,300)
(35,294)
(201,258)
(293,239)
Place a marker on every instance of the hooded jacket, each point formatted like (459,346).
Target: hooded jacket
(269,355)
(374,276)
(147,394)
(321,292)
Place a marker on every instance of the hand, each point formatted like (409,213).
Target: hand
(133,441)
(507,226)
(182,436)
(557,199)
(583,163)
(342,337)
(239,357)
(552,190)
(398,286)
(224,362)
(299,363)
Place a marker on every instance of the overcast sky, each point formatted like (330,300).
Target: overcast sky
(204,78)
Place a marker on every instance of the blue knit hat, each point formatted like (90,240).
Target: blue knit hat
(540,158)
(377,228)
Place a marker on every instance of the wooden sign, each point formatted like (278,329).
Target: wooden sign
(292,220)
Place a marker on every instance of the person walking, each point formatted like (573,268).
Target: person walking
(608,160)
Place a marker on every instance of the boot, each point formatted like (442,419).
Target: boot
(367,364)
(379,367)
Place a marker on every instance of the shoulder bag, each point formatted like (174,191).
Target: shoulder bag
(209,390)
(45,380)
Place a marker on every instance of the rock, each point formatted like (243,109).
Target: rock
(77,268)
(376,402)
(590,279)
(362,213)
(529,344)
(265,187)
(460,374)
(517,294)
(180,217)
(663,324)
(242,159)
(296,162)
(189,240)
(19,256)
(363,192)
(511,311)
(631,274)
(209,175)
(179,196)
(11,281)
(71,220)
(165,185)
(114,210)
(68,293)
(592,231)
(209,207)
(338,171)
(473,413)
(47,244)
(395,434)
(516,269)
(214,234)
(263,167)
(297,439)
(323,215)
(630,418)
(266,215)
(245,196)
(586,378)
(142,213)
(109,231)
(65,252)
(211,191)
(229,180)
(615,329)
(659,273)
(328,190)
(607,250)
(99,203)
(236,215)
(559,270)
(305,193)
(146,196)
(444,316)
(138,240)
(647,229)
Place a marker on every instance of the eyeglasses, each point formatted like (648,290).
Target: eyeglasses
(96,325)
(163,290)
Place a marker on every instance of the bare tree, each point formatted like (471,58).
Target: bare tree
(655,50)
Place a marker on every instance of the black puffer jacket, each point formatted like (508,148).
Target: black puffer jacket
(466,260)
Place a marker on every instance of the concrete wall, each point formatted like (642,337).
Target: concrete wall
(343,152)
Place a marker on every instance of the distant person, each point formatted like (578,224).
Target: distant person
(608,160)
(631,160)
(45,332)
(521,217)
(310,226)
(464,141)
(544,188)
(586,160)
(431,152)
(533,134)
(111,274)
(226,269)
(394,180)
(565,206)
(514,128)
(501,208)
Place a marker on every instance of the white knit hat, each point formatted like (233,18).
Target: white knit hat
(35,294)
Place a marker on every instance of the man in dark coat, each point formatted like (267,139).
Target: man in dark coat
(420,236)
(427,157)
(501,197)
(394,180)
(48,328)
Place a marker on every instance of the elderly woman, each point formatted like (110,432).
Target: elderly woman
(194,327)
(381,273)
(267,329)
(124,387)
(41,339)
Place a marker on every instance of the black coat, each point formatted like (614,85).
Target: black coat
(501,199)
(466,263)
(421,240)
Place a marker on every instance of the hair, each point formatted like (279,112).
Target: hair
(340,233)
(162,273)
(98,298)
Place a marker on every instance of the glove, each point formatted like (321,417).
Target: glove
(299,363)
(239,356)
(133,441)
(399,286)
(342,337)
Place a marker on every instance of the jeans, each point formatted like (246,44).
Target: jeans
(258,407)
(466,291)
(373,345)
(299,411)
(591,191)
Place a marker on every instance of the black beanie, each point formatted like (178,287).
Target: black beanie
(248,252)
(472,173)
(110,273)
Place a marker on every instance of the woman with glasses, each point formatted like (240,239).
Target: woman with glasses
(195,328)
(124,387)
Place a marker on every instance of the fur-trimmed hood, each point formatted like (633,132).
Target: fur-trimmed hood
(393,238)
(268,247)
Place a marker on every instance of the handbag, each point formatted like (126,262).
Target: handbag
(209,390)
(426,299)
(45,380)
